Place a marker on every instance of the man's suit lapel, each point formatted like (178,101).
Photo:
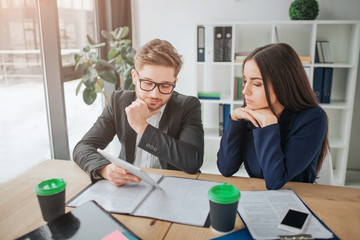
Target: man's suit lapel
(165,120)
(130,137)
(166,123)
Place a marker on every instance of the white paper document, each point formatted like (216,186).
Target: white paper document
(262,211)
(180,200)
(129,167)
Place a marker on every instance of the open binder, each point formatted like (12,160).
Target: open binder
(179,200)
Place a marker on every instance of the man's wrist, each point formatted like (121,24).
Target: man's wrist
(140,130)
(97,173)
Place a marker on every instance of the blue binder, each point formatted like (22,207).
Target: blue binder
(328,76)
(226,114)
(318,83)
(221,119)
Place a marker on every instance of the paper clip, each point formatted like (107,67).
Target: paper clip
(296,237)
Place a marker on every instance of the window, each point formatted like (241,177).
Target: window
(24,130)
(76,20)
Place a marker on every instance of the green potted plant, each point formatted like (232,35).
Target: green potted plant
(116,69)
(304,10)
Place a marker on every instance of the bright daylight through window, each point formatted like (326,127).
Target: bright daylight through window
(24,127)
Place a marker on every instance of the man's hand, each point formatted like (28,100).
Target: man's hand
(137,113)
(116,175)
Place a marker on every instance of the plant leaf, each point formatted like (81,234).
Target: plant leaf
(102,66)
(99,86)
(78,88)
(112,34)
(127,41)
(77,57)
(99,45)
(119,59)
(109,77)
(93,58)
(89,95)
(125,32)
(130,57)
(119,32)
(120,68)
(127,83)
(106,34)
(113,52)
(90,40)
(89,77)
(127,73)
(87,49)
(78,63)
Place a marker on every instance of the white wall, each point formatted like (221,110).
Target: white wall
(175,21)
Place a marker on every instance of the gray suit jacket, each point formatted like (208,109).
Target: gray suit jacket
(178,142)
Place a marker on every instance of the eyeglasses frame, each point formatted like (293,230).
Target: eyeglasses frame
(155,84)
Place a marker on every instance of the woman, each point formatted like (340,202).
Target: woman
(280,134)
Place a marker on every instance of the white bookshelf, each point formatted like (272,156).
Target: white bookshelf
(302,36)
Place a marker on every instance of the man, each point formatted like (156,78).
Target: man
(157,127)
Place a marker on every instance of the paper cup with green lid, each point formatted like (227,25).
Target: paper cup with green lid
(224,199)
(51,196)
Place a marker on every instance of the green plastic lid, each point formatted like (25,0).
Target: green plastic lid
(49,187)
(224,193)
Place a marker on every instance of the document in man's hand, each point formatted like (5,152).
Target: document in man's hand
(180,200)
(129,167)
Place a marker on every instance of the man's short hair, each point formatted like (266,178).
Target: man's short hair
(158,52)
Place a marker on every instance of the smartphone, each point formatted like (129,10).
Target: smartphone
(294,221)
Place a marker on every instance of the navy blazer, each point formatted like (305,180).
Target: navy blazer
(281,152)
(178,142)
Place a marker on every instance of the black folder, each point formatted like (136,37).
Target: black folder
(88,221)
(218,44)
(227,44)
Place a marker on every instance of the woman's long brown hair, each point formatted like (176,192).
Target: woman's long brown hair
(280,65)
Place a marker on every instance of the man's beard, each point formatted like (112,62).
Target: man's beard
(152,107)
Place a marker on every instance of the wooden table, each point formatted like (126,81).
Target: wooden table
(338,207)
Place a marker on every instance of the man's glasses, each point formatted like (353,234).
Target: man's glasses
(148,85)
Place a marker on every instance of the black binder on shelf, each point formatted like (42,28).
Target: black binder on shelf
(218,44)
(200,44)
(227,44)
(88,221)
(328,76)
(318,83)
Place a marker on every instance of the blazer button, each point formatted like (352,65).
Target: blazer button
(155,149)
(147,145)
